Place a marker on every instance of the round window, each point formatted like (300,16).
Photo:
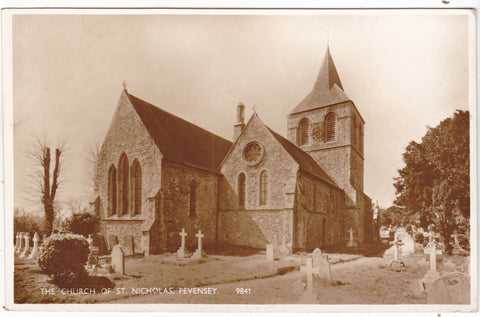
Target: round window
(253,153)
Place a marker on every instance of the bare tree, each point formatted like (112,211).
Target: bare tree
(48,180)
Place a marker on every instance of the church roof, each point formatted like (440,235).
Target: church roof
(305,161)
(179,140)
(328,89)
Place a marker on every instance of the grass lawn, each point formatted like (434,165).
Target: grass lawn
(358,279)
(159,271)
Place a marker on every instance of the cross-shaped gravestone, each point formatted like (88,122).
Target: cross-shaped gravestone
(432,273)
(397,264)
(351,243)
(90,240)
(181,250)
(35,250)
(198,252)
(310,270)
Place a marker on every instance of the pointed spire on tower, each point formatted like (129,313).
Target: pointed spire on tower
(327,76)
(327,90)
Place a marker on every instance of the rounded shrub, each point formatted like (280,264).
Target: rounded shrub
(64,257)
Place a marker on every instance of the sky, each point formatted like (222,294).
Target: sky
(404,70)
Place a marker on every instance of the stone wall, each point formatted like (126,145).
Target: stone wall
(319,213)
(255,224)
(176,186)
(127,134)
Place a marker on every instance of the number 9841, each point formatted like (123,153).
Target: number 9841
(243,291)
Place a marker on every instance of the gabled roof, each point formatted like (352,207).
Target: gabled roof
(305,161)
(328,89)
(179,140)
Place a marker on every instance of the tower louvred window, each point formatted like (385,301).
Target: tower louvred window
(330,122)
(302,134)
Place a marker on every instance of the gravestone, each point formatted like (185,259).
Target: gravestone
(112,241)
(324,275)
(129,244)
(26,240)
(452,288)
(351,243)
(35,250)
(118,259)
(181,250)
(19,243)
(408,246)
(284,249)
(432,273)
(99,242)
(198,252)
(270,252)
(396,264)
(90,240)
(309,270)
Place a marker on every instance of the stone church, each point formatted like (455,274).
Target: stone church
(157,173)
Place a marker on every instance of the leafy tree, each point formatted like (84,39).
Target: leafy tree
(82,223)
(434,185)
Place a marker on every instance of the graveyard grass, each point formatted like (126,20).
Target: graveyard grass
(358,279)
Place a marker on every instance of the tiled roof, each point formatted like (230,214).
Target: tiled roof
(328,89)
(179,140)
(305,161)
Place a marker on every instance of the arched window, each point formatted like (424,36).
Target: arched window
(330,122)
(263,188)
(112,191)
(192,210)
(241,189)
(123,184)
(135,188)
(302,132)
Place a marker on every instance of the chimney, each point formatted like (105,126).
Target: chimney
(238,127)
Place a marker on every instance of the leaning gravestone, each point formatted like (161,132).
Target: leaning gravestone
(129,244)
(118,259)
(324,276)
(452,288)
(99,242)
(112,241)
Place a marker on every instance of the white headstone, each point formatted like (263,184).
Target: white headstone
(321,261)
(432,273)
(408,246)
(90,240)
(118,259)
(351,243)
(26,238)
(20,243)
(198,252)
(17,242)
(310,270)
(270,256)
(35,250)
(181,250)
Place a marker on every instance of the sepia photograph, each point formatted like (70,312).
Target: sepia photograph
(309,158)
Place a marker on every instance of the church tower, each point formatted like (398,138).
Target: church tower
(327,125)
